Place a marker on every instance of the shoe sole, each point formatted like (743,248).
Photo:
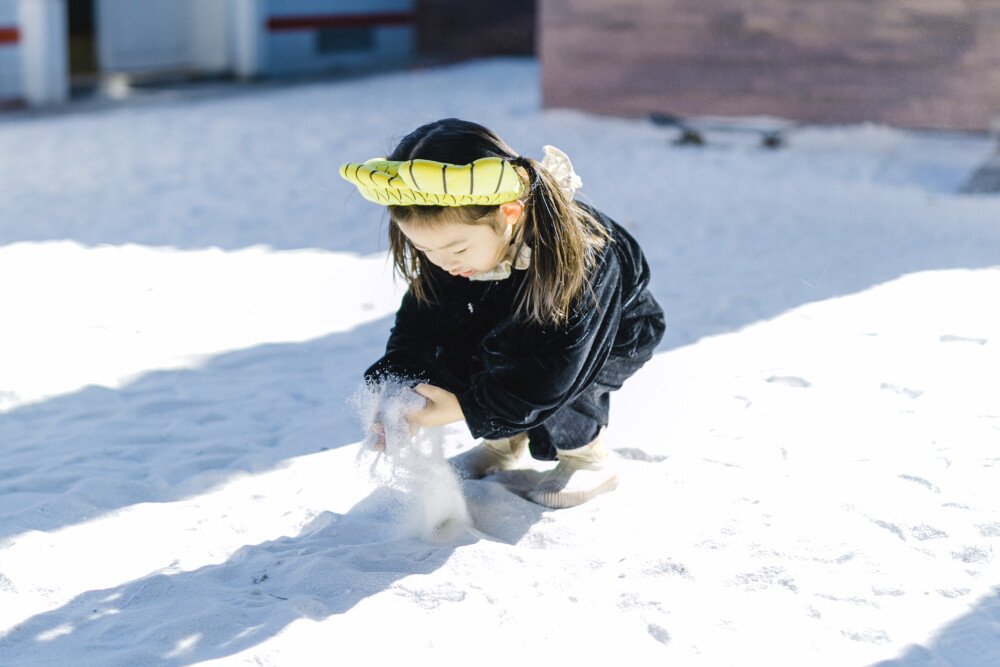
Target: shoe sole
(563,499)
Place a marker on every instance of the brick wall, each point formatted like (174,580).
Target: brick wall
(912,63)
(456,29)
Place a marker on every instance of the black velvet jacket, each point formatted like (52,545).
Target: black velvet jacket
(510,375)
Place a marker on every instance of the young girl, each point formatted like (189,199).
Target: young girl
(525,308)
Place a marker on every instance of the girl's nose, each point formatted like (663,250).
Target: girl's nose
(446,264)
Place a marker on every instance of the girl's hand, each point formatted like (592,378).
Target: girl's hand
(376,437)
(442,407)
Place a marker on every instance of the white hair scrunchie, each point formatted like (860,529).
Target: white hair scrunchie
(557,163)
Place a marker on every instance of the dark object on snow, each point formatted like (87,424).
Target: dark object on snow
(985,180)
(689,136)
(695,132)
(772,140)
(512,376)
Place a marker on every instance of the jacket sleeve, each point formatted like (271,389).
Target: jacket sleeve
(408,354)
(522,373)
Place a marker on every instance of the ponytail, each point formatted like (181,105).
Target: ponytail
(565,242)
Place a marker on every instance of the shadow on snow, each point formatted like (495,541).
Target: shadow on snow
(174,434)
(215,611)
(972,640)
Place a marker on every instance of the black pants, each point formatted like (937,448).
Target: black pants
(577,423)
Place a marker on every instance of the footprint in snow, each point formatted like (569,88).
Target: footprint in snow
(766,577)
(635,454)
(923,532)
(658,633)
(790,381)
(903,391)
(973,554)
(921,481)
(867,636)
(985,529)
(948,338)
(953,593)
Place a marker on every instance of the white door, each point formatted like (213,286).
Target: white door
(143,35)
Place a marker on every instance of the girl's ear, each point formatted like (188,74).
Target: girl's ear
(510,213)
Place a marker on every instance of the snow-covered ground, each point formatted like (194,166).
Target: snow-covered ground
(189,294)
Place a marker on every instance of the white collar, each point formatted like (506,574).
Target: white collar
(502,270)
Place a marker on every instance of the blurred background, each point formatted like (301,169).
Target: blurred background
(55,50)
(927,64)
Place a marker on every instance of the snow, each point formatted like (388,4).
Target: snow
(190,295)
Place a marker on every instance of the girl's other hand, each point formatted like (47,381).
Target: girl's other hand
(376,437)
(442,407)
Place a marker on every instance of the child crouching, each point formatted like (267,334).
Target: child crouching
(525,308)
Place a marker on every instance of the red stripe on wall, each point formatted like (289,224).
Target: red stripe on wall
(9,35)
(286,23)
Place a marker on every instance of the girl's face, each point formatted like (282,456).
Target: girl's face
(464,249)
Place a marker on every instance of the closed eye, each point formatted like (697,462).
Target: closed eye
(459,252)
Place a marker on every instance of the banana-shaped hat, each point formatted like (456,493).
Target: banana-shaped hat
(487,181)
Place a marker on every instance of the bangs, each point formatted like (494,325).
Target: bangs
(438,216)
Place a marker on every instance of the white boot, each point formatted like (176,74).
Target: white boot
(581,475)
(491,456)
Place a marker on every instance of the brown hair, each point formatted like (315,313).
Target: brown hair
(564,238)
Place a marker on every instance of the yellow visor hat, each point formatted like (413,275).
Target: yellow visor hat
(488,181)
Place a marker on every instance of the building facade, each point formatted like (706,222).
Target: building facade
(47,44)
(909,63)
(10,52)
